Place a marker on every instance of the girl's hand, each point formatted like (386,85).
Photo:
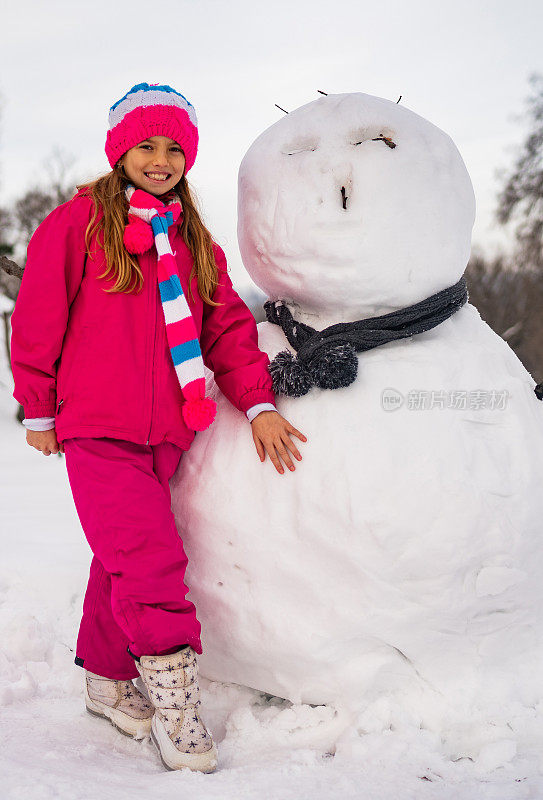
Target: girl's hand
(271,434)
(45,441)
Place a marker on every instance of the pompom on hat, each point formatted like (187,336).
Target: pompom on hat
(151,110)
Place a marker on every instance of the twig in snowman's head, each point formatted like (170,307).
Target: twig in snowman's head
(281,109)
(321,92)
(398,100)
(386,139)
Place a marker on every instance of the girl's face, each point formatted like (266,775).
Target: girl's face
(155,165)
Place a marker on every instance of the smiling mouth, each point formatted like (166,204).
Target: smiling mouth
(158,177)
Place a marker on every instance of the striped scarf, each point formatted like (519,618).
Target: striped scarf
(148,222)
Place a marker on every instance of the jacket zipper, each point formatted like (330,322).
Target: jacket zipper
(59,405)
(153,372)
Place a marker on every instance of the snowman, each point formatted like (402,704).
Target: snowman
(403,557)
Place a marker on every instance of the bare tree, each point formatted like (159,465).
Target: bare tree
(32,208)
(9,283)
(521,198)
(6,246)
(29,211)
(510,300)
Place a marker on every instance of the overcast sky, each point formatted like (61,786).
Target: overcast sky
(464,65)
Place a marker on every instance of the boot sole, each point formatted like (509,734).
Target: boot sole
(141,733)
(192,761)
(103,716)
(159,753)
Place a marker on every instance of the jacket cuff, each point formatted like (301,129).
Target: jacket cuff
(254,411)
(41,408)
(254,397)
(39,423)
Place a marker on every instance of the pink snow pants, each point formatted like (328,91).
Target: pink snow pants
(136,592)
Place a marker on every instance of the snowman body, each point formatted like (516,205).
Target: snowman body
(402,557)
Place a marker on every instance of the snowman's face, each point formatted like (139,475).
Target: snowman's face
(332,215)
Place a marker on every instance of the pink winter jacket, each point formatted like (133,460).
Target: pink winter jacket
(100,363)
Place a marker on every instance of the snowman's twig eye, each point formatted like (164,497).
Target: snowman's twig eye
(386,139)
(300,150)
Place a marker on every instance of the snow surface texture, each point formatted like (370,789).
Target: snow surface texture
(398,573)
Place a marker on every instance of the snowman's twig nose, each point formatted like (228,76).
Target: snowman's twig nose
(344,196)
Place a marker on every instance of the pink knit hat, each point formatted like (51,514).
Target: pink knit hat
(151,110)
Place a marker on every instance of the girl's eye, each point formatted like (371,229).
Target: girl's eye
(175,149)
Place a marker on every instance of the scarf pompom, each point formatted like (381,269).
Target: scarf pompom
(333,365)
(138,236)
(199,413)
(289,375)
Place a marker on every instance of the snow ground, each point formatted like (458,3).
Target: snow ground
(268,748)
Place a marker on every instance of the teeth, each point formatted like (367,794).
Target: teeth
(157,176)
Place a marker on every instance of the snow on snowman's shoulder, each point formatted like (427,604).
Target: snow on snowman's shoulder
(271,339)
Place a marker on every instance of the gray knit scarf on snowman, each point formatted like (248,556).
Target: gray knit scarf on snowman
(328,359)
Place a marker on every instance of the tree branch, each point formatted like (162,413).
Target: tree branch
(11,267)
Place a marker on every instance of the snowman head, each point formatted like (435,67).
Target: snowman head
(353,202)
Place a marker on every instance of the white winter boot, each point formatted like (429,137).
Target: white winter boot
(176,729)
(120,702)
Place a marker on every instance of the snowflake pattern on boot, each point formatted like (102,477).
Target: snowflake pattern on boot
(121,695)
(172,684)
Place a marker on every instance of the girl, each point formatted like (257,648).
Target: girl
(125,297)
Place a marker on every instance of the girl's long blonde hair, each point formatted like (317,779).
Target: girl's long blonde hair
(110,218)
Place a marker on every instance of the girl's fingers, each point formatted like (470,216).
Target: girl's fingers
(274,457)
(259,448)
(283,452)
(275,444)
(296,432)
(292,447)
